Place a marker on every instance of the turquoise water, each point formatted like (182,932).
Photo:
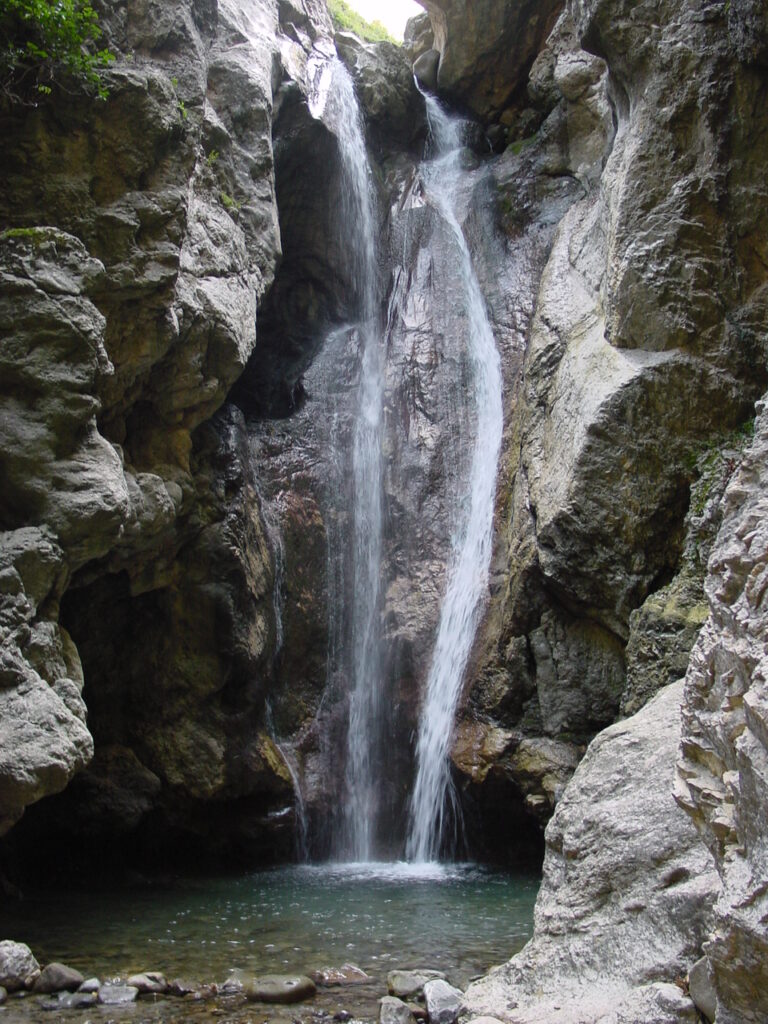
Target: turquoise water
(461,919)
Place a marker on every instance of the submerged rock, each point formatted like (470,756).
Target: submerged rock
(332,977)
(71,1001)
(117,995)
(279,988)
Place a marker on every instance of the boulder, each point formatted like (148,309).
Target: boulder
(628,891)
(394,1011)
(18,968)
(58,978)
(702,988)
(443,1001)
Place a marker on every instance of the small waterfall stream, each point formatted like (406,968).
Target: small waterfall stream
(471,543)
(336,104)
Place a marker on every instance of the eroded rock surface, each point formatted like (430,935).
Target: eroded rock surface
(626,900)
(724,764)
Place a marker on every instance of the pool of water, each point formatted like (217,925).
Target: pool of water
(461,919)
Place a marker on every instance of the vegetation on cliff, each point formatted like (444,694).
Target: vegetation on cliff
(42,43)
(347,20)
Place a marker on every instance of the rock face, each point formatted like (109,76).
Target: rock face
(722,771)
(626,900)
(126,512)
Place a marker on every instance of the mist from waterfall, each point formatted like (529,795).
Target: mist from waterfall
(471,543)
(335,102)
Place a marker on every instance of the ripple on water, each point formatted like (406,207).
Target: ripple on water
(456,917)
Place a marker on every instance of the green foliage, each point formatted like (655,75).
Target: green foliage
(212,157)
(47,42)
(347,20)
(229,203)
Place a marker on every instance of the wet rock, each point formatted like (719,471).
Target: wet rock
(419,36)
(90,985)
(18,968)
(71,1001)
(117,995)
(443,1001)
(394,1011)
(180,987)
(332,977)
(486,48)
(148,982)
(236,981)
(410,984)
(702,989)
(58,978)
(278,988)
(425,70)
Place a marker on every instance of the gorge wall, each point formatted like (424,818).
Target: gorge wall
(176,372)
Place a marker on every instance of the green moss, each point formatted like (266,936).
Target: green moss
(229,203)
(516,148)
(347,20)
(36,235)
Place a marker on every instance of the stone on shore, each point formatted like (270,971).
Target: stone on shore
(57,977)
(149,982)
(410,984)
(394,1011)
(334,977)
(18,968)
(443,1002)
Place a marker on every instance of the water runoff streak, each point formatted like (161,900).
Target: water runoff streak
(336,104)
(472,539)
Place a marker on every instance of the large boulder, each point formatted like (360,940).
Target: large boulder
(628,890)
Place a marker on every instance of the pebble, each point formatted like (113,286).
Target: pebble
(347,974)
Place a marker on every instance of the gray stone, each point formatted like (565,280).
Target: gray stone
(117,995)
(58,978)
(410,984)
(702,989)
(721,778)
(148,982)
(280,988)
(443,1001)
(334,977)
(18,968)
(394,1011)
(628,890)
(90,985)
(70,1001)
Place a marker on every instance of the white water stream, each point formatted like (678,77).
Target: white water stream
(471,543)
(336,104)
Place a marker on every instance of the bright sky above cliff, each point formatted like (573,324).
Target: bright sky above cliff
(392,13)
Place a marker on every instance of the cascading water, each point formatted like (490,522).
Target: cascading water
(472,538)
(335,102)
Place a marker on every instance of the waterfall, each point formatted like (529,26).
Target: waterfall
(300,810)
(471,543)
(336,104)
